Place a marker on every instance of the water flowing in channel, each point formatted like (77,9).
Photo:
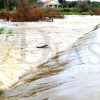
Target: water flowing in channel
(73,74)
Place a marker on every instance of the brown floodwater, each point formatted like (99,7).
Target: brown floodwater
(57,79)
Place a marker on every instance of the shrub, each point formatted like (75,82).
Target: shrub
(28,12)
(52,14)
(96,11)
(23,13)
(66,10)
(3,15)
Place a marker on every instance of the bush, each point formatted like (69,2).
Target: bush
(66,10)
(24,13)
(52,14)
(96,11)
(3,15)
(28,12)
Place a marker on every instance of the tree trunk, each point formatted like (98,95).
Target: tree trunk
(7,6)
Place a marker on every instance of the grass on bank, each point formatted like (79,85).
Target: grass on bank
(64,11)
(76,13)
(71,11)
(5,11)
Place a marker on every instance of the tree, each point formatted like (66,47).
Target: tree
(83,5)
(7,7)
(61,1)
(13,3)
(32,1)
(29,1)
(1,4)
(20,1)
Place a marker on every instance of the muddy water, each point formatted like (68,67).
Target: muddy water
(73,74)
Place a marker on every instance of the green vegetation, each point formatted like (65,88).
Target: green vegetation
(79,8)
(71,11)
(13,3)
(94,5)
(13,11)
(75,13)
(68,8)
(5,11)
(2,30)
(10,32)
(62,9)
